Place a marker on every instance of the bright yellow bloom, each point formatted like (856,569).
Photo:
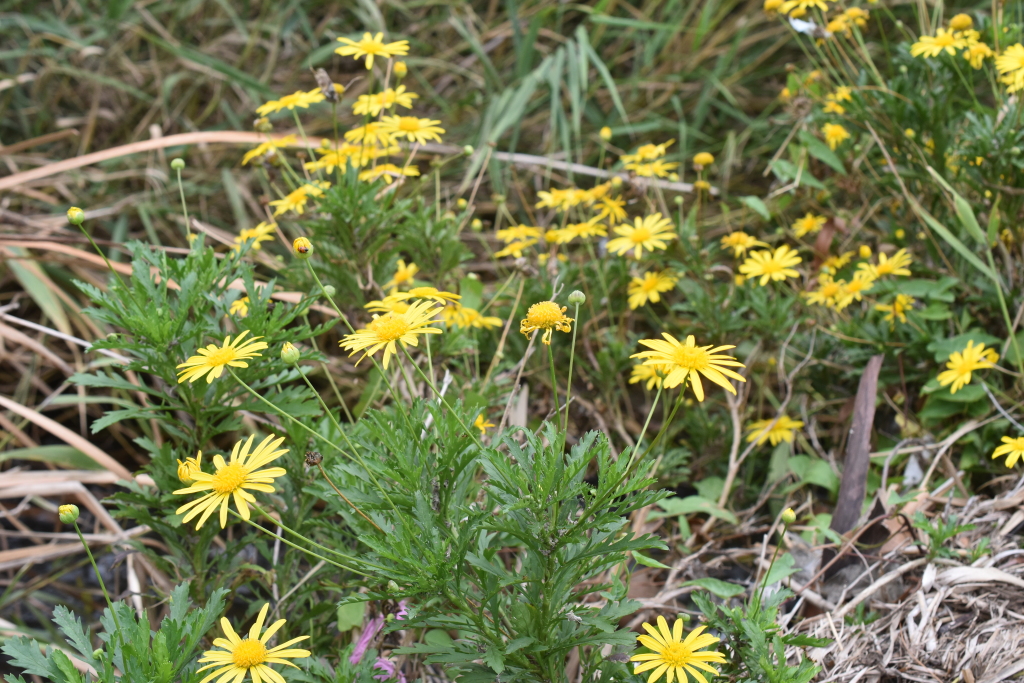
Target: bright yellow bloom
(349,155)
(518,233)
(559,236)
(411,128)
(739,242)
(654,375)
(961,22)
(426,293)
(851,291)
(830,106)
(389,304)
(268,146)
(187,469)
(264,232)
(383,331)
(827,291)
(239,307)
(798,8)
(897,310)
(703,159)
(459,316)
(296,199)
(211,360)
(240,656)
(389,172)
(233,480)
(835,134)
(833,263)
(547,316)
(404,274)
(1011,65)
(648,152)
(843,93)
(784,430)
(372,104)
(690,361)
(670,653)
(298,99)
(857,15)
(515,249)
(591,228)
(1012,448)
(962,363)
(770,7)
(372,46)
(929,46)
(767,265)
(809,224)
(612,209)
(605,133)
(649,287)
(897,265)
(372,132)
(651,232)
(562,199)
(657,168)
(976,53)
(483,424)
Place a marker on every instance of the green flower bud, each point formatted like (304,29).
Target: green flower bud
(476,225)
(75,216)
(68,513)
(302,247)
(468,150)
(788,516)
(577,297)
(177,164)
(289,354)
(329,290)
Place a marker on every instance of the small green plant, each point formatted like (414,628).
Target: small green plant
(938,531)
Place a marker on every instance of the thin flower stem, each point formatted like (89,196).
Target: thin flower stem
(100,252)
(184,207)
(768,571)
(554,387)
(277,522)
(664,427)
(99,577)
(297,547)
(355,451)
(442,398)
(343,497)
(572,357)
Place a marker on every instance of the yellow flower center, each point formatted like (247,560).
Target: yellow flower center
(676,654)
(544,314)
(650,284)
(771,266)
(390,327)
(690,358)
(229,478)
(640,235)
(249,653)
(944,39)
(409,124)
(221,356)
(831,289)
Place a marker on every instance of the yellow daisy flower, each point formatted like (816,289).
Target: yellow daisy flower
(933,46)
(767,265)
(349,155)
(833,263)
(652,169)
(240,656)
(687,360)
(1012,448)
(187,469)
(827,291)
(851,291)
(670,653)
(404,274)
(562,199)
(830,106)
(389,172)
(370,47)
(297,100)
(515,249)
(897,310)
(649,287)
(784,430)
(960,22)
(519,233)
(296,199)
(654,375)
(611,208)
(650,233)
(547,316)
(648,152)
(798,8)
(483,424)
(962,363)
(389,304)
(264,232)
(268,146)
(372,133)
(373,104)
(1011,65)
(739,242)
(843,93)
(976,54)
(897,265)
(808,225)
(239,307)
(427,293)
(834,134)
(459,316)
(233,479)
(591,228)
(411,128)
(213,358)
(384,331)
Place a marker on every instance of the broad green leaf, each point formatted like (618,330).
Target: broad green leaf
(350,615)
(951,239)
(674,505)
(648,561)
(722,589)
(757,205)
(820,151)
(63,456)
(782,568)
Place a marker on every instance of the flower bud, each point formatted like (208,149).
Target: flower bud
(262,125)
(401,69)
(616,181)
(188,469)
(289,354)
(468,150)
(461,203)
(678,200)
(177,164)
(393,587)
(330,291)
(703,159)
(673,177)
(606,133)
(577,297)
(302,247)
(75,215)
(68,513)
(313,458)
(788,516)
(865,251)
(476,225)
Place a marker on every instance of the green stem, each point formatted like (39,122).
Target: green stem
(572,357)
(441,398)
(102,255)
(99,577)
(554,388)
(1006,312)
(764,582)
(293,545)
(184,208)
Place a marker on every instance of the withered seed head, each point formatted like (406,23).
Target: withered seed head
(313,458)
